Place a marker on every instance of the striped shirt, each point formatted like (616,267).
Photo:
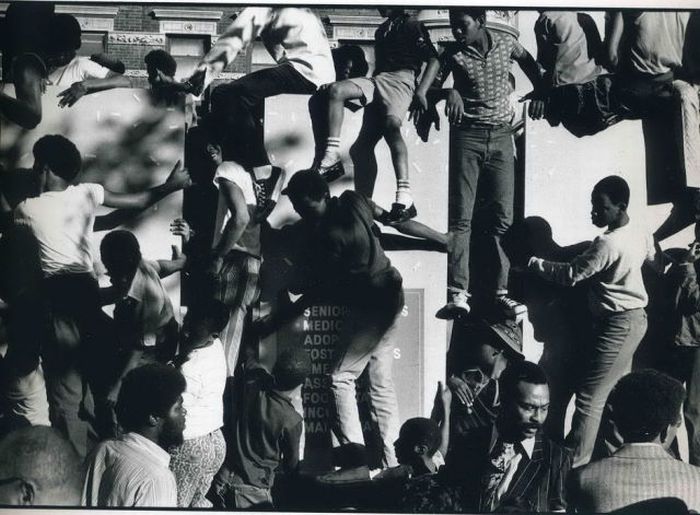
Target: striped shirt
(129,471)
(636,472)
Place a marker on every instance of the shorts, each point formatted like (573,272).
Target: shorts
(392,92)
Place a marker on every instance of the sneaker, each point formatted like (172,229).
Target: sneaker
(457,307)
(509,307)
(399,213)
(332,172)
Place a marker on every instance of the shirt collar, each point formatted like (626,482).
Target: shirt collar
(160,455)
(528,445)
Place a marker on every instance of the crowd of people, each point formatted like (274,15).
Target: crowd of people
(146,410)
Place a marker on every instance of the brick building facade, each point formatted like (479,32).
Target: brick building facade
(130,31)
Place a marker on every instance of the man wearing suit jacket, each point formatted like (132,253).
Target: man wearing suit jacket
(646,409)
(512,464)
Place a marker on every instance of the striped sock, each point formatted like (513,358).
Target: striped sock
(332,152)
(403,192)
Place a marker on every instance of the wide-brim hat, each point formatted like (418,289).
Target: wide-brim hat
(509,334)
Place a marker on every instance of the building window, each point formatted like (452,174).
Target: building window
(188,52)
(92,43)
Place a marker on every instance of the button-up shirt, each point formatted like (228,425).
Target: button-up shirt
(129,471)
(483,79)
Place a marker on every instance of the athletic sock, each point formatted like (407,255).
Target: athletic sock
(332,152)
(403,192)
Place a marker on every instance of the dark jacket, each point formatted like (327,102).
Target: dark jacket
(686,302)
(538,484)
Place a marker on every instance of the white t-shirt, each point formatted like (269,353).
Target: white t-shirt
(62,223)
(249,242)
(290,34)
(79,69)
(205,372)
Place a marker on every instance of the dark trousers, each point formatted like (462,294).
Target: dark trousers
(73,315)
(481,176)
(237,108)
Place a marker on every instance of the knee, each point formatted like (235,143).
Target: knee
(342,380)
(337,92)
(392,126)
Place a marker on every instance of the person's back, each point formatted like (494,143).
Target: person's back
(262,430)
(566,48)
(62,222)
(619,285)
(635,473)
(263,419)
(645,408)
(402,43)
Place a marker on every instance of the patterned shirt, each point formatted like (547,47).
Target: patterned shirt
(483,79)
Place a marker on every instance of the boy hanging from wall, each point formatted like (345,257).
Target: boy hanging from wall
(402,45)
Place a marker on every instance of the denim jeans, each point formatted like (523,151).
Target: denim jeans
(616,337)
(365,341)
(237,108)
(481,176)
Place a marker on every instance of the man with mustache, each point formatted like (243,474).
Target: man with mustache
(512,464)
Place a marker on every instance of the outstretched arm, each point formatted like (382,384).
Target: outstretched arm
(79,89)
(178,179)
(244,29)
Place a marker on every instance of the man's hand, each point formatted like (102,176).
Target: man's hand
(71,95)
(419,106)
(462,391)
(537,106)
(693,253)
(180,227)
(454,107)
(179,177)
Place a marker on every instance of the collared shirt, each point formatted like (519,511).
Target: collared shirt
(61,222)
(563,44)
(402,43)
(129,471)
(146,308)
(614,260)
(265,430)
(291,35)
(483,79)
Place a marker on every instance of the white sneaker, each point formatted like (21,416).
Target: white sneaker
(509,307)
(457,307)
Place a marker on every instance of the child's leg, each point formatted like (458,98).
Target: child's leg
(399,158)
(362,153)
(338,94)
